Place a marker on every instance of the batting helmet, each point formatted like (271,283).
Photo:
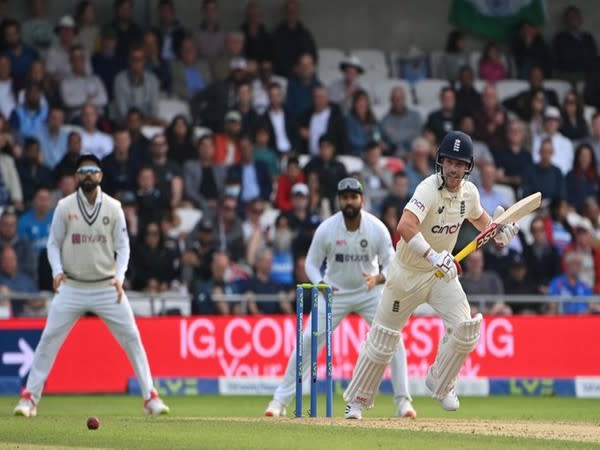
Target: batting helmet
(456,145)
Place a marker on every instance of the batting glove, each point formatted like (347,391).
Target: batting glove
(445,263)
(507,232)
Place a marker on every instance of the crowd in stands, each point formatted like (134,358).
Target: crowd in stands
(224,198)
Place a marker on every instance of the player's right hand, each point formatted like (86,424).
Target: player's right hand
(57,280)
(445,263)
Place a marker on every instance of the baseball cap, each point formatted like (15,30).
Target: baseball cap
(352,61)
(206,225)
(233,116)
(238,64)
(552,112)
(65,22)
(349,185)
(584,224)
(300,189)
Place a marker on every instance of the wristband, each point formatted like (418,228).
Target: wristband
(419,245)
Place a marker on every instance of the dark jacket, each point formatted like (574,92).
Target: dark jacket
(336,129)
(291,129)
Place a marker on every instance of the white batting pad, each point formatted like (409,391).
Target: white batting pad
(374,357)
(454,349)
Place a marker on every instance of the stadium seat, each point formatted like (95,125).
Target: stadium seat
(509,88)
(479,84)
(149,131)
(588,113)
(200,132)
(427,92)
(435,58)
(303,160)
(382,88)
(269,217)
(373,60)
(188,218)
(168,108)
(353,163)
(380,111)
(425,110)
(70,128)
(329,61)
(561,87)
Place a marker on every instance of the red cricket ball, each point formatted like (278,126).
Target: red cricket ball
(93,423)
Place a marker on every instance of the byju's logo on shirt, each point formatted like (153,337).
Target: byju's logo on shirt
(77,238)
(341,258)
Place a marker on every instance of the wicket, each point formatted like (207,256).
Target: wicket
(314,289)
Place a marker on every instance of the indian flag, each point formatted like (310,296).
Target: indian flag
(496,19)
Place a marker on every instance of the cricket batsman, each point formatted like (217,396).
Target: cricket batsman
(428,228)
(357,248)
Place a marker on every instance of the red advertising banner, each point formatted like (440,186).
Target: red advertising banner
(92,361)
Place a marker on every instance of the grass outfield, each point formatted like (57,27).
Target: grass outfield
(214,422)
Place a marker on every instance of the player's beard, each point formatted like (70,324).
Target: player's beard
(88,186)
(350,212)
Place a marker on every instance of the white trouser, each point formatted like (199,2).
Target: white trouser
(66,307)
(364,304)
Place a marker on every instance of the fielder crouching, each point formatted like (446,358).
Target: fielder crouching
(428,228)
(88,229)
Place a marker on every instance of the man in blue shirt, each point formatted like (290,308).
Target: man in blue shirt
(13,280)
(569,284)
(20,55)
(53,138)
(34,224)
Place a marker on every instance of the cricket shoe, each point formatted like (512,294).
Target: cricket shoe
(353,411)
(275,409)
(154,406)
(405,409)
(26,406)
(450,402)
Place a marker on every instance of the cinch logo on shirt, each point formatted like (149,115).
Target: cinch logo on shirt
(77,238)
(445,229)
(418,204)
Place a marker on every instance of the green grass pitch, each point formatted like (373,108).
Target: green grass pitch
(224,422)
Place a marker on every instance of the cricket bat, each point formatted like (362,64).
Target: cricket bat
(513,214)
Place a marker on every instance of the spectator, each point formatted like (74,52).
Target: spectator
(154,265)
(481,152)
(591,91)
(283,130)
(262,283)
(530,50)
(377,179)
(65,186)
(264,153)
(490,124)
(327,168)
(58,56)
(29,118)
(304,237)
(468,98)
(170,31)
(37,30)
(342,91)
(390,217)
(291,39)
(180,136)
(258,44)
(419,165)
(79,88)
(155,64)
(256,231)
(129,204)
(535,113)
(21,56)
(32,173)
(27,257)
(591,211)
(119,167)
(10,186)
(169,180)
(227,150)
(401,125)
(543,260)
(414,65)
(282,271)
(519,282)
(196,259)
(204,181)
(569,284)
(15,281)
(251,176)
(480,282)
(489,193)
(208,37)
(136,87)
(514,161)
(301,86)
(68,163)
(323,118)
(234,49)
(398,196)
(151,201)
(563,148)
(298,216)
(7,94)
(574,126)
(190,75)
(292,176)
(521,103)
(583,244)
(93,140)
(140,144)
(574,49)
(361,125)
(106,62)
(444,119)
(129,34)
(559,232)
(545,176)
(454,57)
(243,104)
(88,32)
(34,224)
(492,67)
(582,181)
(53,138)
(261,84)
(230,236)
(37,75)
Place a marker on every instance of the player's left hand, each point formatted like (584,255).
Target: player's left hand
(371,280)
(119,287)
(507,232)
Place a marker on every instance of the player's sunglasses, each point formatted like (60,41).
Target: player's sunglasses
(350,184)
(84,170)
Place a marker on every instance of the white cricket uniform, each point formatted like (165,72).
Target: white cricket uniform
(83,241)
(348,255)
(411,278)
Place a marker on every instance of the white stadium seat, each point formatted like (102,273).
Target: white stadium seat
(435,58)
(588,113)
(353,163)
(200,132)
(561,87)
(373,60)
(328,68)
(168,108)
(427,92)
(509,88)
(149,131)
(381,90)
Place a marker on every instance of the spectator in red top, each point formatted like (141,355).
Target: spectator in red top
(582,244)
(293,175)
(227,146)
(491,65)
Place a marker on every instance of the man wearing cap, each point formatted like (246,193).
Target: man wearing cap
(88,229)
(342,90)
(227,144)
(58,58)
(234,51)
(355,245)
(563,147)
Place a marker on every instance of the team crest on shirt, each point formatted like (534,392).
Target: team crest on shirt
(462,208)
(441,209)
(105,220)
(363,243)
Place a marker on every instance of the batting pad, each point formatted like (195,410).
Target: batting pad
(454,349)
(376,354)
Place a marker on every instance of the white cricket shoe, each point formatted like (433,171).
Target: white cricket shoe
(353,411)
(26,406)
(275,409)
(450,402)
(154,406)
(405,409)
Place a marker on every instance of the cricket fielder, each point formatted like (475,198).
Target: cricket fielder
(88,229)
(428,228)
(355,244)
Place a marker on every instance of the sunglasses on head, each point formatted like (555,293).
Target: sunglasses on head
(89,169)
(349,184)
